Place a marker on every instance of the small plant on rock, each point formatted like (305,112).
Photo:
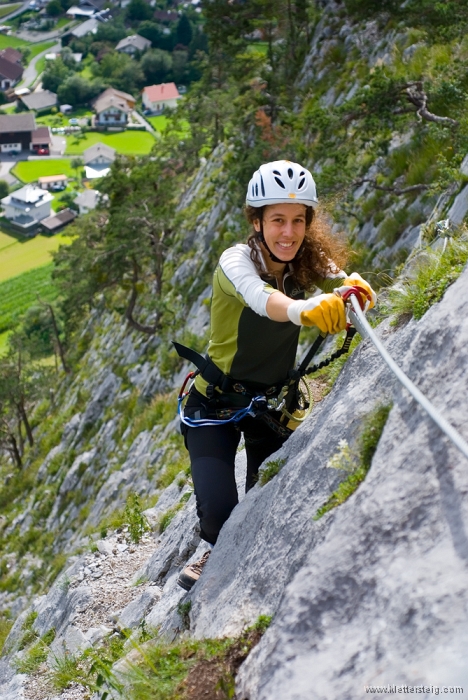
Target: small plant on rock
(135,519)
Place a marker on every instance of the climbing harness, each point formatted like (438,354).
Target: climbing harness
(291,398)
(359,321)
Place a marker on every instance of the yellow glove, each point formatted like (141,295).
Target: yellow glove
(355,280)
(326,311)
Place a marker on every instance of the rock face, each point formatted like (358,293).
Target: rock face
(380,594)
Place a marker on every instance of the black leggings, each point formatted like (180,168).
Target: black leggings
(212,452)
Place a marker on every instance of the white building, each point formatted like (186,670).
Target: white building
(157,98)
(26,207)
(98,160)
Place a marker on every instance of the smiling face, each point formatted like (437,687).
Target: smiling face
(284,227)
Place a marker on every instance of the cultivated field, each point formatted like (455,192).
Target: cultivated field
(19,293)
(20,255)
(12,41)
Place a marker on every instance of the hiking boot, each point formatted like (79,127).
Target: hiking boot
(190,575)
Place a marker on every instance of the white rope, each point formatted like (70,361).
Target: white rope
(359,321)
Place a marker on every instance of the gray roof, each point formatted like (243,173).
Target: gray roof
(88,198)
(58,220)
(138,42)
(16,122)
(99,149)
(88,27)
(39,100)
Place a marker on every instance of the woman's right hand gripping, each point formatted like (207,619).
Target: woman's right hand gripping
(326,311)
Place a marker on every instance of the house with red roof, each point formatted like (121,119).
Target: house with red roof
(157,98)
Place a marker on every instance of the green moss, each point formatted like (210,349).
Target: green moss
(355,462)
(270,470)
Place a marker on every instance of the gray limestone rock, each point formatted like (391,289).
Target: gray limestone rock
(383,578)
(72,643)
(459,208)
(102,397)
(131,616)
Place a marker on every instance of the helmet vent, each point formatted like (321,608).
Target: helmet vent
(301,173)
(256,190)
(262,186)
(278,182)
(301,184)
(276,172)
(290,173)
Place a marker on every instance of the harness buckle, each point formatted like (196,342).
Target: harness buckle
(210,391)
(239,388)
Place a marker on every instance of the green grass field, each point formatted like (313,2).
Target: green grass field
(19,293)
(12,41)
(6,9)
(159,123)
(38,48)
(30,170)
(20,255)
(128,143)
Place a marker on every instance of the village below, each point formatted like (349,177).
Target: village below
(128,133)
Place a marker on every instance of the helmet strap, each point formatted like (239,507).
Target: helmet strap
(261,238)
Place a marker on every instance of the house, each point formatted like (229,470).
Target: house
(129,99)
(157,98)
(98,160)
(111,110)
(87,200)
(166,16)
(18,133)
(58,221)
(26,207)
(11,55)
(39,101)
(132,45)
(88,27)
(53,182)
(10,73)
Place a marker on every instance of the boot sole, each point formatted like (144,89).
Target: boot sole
(186,582)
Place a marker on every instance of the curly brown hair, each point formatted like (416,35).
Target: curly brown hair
(321,252)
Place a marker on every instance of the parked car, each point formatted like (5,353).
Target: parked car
(73,121)
(42,151)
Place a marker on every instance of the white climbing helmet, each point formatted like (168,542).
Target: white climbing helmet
(281,182)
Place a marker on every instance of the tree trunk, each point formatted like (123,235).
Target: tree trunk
(14,452)
(25,420)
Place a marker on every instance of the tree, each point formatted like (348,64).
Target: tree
(122,71)
(124,246)
(152,31)
(138,10)
(184,31)
(4,188)
(77,164)
(157,66)
(55,73)
(54,8)
(76,90)
(112,31)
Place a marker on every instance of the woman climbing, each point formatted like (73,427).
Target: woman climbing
(258,306)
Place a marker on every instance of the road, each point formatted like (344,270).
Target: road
(30,72)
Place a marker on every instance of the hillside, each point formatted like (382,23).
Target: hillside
(373,592)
